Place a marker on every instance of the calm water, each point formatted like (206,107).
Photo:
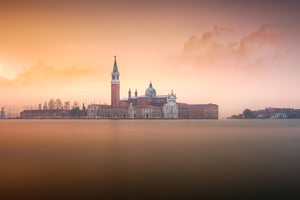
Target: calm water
(155,159)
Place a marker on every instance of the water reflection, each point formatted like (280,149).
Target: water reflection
(154,159)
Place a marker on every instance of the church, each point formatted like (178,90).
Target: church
(148,106)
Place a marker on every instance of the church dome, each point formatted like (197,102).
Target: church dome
(150,91)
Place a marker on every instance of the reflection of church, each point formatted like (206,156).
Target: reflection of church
(149,105)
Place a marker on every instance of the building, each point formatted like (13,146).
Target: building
(296,114)
(106,111)
(170,109)
(275,113)
(2,113)
(148,106)
(115,86)
(46,114)
(278,115)
(147,112)
(198,111)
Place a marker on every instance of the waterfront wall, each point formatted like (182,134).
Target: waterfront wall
(45,114)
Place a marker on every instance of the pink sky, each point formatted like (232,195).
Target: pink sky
(237,55)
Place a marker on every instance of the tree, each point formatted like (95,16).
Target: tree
(75,105)
(45,105)
(248,114)
(58,104)
(75,112)
(67,105)
(51,104)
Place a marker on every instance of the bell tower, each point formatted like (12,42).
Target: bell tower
(115,86)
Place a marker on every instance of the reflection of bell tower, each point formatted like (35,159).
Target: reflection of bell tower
(115,86)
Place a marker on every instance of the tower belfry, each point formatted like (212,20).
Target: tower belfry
(115,85)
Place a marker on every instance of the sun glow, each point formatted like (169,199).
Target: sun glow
(206,51)
(7,73)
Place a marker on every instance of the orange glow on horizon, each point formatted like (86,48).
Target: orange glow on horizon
(236,56)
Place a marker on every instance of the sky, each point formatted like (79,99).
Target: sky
(237,54)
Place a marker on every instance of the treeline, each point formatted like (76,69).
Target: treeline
(247,114)
(59,105)
(273,113)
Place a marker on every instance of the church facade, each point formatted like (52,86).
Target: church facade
(148,106)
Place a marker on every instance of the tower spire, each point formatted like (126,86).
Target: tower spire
(115,65)
(115,85)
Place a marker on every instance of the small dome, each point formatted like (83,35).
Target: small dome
(150,91)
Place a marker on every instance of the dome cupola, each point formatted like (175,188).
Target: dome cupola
(150,91)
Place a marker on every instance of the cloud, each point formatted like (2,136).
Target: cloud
(42,74)
(218,29)
(207,40)
(268,36)
(213,50)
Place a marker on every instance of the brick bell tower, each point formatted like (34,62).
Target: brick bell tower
(115,86)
